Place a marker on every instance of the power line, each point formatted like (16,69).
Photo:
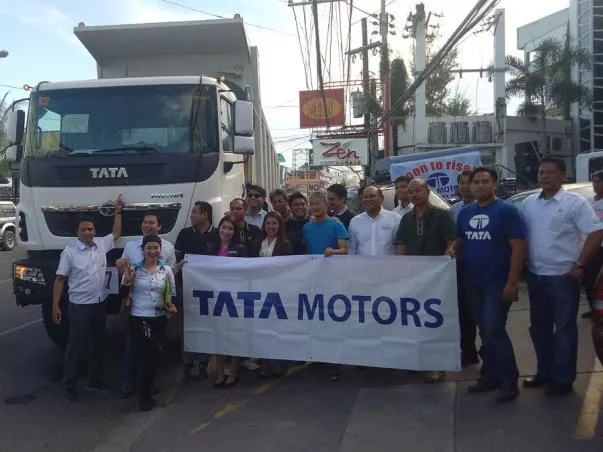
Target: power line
(217,16)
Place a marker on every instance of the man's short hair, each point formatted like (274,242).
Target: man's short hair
(278,192)
(482,169)
(467,173)
(318,195)
(339,190)
(558,162)
(207,209)
(405,179)
(379,191)
(597,174)
(261,190)
(83,219)
(296,195)
(238,199)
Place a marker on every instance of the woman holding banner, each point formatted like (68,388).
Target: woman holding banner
(148,290)
(227,246)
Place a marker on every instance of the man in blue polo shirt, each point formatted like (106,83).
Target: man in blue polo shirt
(324,235)
(492,234)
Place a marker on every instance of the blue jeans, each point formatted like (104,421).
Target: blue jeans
(490,313)
(553,325)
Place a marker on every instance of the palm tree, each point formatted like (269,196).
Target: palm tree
(546,82)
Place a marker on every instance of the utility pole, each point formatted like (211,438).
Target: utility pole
(321,85)
(373,136)
(384,29)
(365,73)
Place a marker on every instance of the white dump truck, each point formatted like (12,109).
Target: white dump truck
(175,116)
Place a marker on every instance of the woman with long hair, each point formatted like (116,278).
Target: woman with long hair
(274,243)
(227,245)
(149,290)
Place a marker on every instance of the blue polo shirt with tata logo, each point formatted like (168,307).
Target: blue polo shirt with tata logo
(486,232)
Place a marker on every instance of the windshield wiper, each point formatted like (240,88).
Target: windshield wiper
(142,149)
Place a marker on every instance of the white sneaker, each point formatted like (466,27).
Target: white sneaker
(250,364)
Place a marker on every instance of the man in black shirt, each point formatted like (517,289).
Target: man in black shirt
(294,226)
(194,240)
(337,196)
(251,236)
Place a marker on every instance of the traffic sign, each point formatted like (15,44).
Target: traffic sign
(313,188)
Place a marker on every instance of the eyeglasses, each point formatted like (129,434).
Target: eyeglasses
(254,195)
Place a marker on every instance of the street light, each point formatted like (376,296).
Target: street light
(3,53)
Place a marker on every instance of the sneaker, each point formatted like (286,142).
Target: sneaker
(482,386)
(98,386)
(71,394)
(507,394)
(250,364)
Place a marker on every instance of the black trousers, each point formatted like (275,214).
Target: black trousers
(466,322)
(590,276)
(86,327)
(147,333)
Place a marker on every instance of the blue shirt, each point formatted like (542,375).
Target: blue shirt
(486,232)
(320,236)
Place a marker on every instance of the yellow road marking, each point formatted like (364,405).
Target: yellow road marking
(259,390)
(589,416)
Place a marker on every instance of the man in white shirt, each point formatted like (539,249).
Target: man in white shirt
(402,195)
(256,196)
(594,266)
(465,194)
(83,265)
(558,222)
(132,254)
(373,232)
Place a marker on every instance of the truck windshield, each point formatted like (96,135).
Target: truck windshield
(154,119)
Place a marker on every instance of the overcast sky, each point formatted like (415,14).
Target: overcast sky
(39,37)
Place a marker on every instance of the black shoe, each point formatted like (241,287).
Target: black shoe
(126,392)
(507,394)
(469,360)
(98,386)
(71,394)
(229,384)
(219,384)
(154,390)
(555,389)
(147,403)
(535,382)
(588,315)
(482,386)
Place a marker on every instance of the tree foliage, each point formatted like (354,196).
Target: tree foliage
(458,104)
(546,83)
(398,85)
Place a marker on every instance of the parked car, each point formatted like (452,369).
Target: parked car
(584,189)
(8,237)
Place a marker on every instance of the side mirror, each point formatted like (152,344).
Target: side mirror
(243,118)
(15,127)
(244,145)
(14,153)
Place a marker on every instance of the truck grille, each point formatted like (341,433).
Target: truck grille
(63,223)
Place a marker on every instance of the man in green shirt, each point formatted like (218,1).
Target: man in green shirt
(425,231)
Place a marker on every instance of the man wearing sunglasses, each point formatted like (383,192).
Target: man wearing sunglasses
(256,197)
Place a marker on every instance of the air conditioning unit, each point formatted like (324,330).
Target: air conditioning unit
(459,132)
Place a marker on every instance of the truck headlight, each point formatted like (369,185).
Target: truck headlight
(29,274)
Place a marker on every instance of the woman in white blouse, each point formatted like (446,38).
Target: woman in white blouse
(148,288)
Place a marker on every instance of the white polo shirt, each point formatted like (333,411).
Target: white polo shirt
(133,252)
(85,266)
(373,236)
(257,219)
(557,228)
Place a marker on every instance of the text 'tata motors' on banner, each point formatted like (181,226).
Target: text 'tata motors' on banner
(312,108)
(394,312)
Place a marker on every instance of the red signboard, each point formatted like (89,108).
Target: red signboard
(312,108)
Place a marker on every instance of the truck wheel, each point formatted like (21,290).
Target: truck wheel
(57,333)
(9,240)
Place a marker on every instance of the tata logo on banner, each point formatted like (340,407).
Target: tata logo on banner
(312,108)
(340,152)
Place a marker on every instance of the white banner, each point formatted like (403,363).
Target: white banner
(440,172)
(340,152)
(393,311)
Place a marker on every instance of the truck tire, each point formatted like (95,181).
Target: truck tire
(9,240)
(59,334)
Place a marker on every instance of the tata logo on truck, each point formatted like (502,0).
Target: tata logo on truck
(108,173)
